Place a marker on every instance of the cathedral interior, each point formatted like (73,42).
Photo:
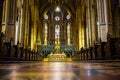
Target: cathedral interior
(59,39)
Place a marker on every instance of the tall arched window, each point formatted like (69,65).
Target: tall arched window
(68,33)
(57,34)
(16,33)
(45,34)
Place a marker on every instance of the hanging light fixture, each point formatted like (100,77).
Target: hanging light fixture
(57,9)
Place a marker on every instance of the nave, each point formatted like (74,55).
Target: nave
(59,40)
(86,70)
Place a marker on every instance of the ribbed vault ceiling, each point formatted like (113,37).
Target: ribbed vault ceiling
(69,5)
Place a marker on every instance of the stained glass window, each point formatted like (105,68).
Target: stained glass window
(16,36)
(57,34)
(68,33)
(46,17)
(46,32)
(57,18)
(68,16)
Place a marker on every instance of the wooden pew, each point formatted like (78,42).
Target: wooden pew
(111,48)
(76,56)
(2,52)
(31,55)
(88,54)
(24,54)
(81,54)
(2,46)
(15,52)
(84,53)
(87,51)
(21,53)
(7,54)
(101,51)
(95,51)
(29,52)
(117,46)
(12,54)
(91,53)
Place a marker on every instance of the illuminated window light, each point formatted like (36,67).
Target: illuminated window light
(68,16)
(57,9)
(46,17)
(68,33)
(45,34)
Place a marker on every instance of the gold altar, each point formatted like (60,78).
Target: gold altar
(57,55)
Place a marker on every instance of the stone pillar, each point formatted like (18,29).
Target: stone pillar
(61,29)
(108,16)
(39,30)
(35,21)
(88,24)
(82,25)
(52,28)
(1,10)
(49,36)
(32,8)
(104,18)
(64,33)
(75,30)
(93,22)
(73,25)
(26,34)
(9,20)
(49,33)
(89,27)
(18,16)
(22,23)
(119,2)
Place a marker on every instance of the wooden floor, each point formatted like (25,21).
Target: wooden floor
(60,71)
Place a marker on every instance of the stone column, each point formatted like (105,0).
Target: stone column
(49,36)
(26,34)
(73,25)
(18,28)
(104,18)
(1,10)
(9,20)
(22,23)
(77,29)
(108,16)
(82,28)
(61,29)
(65,33)
(34,27)
(93,22)
(52,28)
(119,2)
(49,32)
(89,27)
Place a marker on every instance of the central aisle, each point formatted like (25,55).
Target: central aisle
(60,71)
